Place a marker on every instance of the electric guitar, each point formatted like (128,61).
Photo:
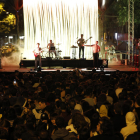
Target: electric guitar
(37,53)
(80,44)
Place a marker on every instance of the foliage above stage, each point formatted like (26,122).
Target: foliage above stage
(116,16)
(122,6)
(7,20)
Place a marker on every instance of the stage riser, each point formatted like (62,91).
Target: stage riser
(63,63)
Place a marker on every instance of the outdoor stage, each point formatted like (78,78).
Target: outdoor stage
(69,65)
(74,63)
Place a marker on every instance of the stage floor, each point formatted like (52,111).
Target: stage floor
(110,68)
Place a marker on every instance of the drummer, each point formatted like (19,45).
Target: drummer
(51,48)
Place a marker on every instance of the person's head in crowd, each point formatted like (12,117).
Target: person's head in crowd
(137,102)
(11,114)
(104,89)
(18,121)
(18,110)
(60,122)
(105,126)
(71,104)
(51,98)
(30,122)
(31,105)
(80,124)
(88,92)
(130,118)
(127,106)
(5,124)
(58,93)
(18,131)
(85,105)
(131,96)
(25,94)
(118,108)
(79,108)
(44,117)
(122,96)
(63,106)
(67,98)
(102,98)
(39,89)
(94,121)
(84,134)
(13,92)
(42,103)
(42,94)
(36,101)
(58,111)
(111,92)
(120,85)
(3,133)
(44,135)
(57,103)
(79,90)
(103,111)
(5,103)
(53,118)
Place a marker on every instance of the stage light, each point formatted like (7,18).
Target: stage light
(103,3)
(62,21)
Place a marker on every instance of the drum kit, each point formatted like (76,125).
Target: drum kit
(53,50)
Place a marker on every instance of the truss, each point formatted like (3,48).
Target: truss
(130,30)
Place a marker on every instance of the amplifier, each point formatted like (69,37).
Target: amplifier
(66,57)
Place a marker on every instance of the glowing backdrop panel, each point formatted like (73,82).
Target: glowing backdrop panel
(62,21)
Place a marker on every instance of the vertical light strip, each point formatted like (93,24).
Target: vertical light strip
(62,21)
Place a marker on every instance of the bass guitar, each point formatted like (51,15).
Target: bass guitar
(82,42)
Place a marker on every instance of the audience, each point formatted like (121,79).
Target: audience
(69,106)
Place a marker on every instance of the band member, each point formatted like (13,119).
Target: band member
(51,48)
(81,42)
(37,55)
(96,49)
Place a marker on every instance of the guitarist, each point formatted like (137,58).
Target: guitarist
(81,42)
(37,55)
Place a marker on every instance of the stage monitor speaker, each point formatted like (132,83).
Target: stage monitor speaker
(66,57)
(82,58)
(48,58)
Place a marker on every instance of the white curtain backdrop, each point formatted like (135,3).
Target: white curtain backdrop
(62,21)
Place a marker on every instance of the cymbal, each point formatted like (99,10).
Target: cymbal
(74,46)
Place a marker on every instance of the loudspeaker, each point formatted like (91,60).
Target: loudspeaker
(82,58)
(66,57)
(48,58)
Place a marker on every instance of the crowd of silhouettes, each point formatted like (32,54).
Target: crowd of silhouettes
(74,105)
